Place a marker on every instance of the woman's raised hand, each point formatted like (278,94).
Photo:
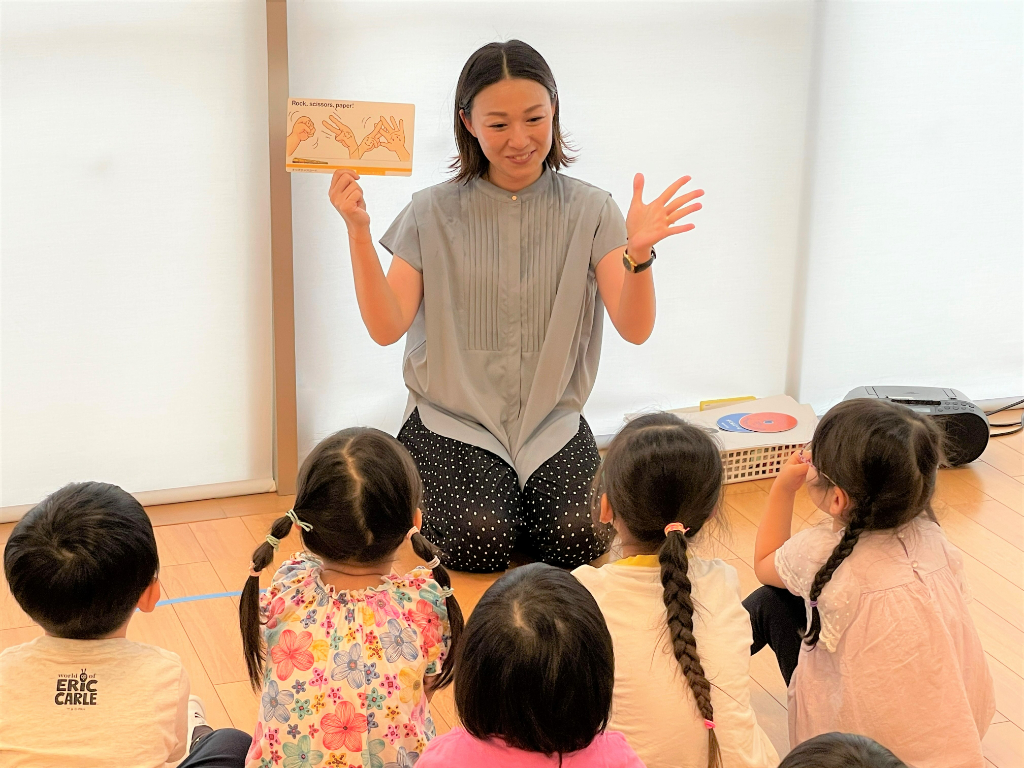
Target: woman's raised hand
(652,223)
(347,197)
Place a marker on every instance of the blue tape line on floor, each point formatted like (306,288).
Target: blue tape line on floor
(191,598)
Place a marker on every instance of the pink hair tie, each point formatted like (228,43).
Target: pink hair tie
(709,724)
(252,570)
(676,527)
(412,532)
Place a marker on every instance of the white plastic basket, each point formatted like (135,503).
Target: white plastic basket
(756,463)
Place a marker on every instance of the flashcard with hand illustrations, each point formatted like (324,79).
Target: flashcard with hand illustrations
(370,137)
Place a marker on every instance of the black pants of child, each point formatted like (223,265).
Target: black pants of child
(475,511)
(778,618)
(223,748)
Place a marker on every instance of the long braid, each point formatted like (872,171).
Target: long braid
(842,550)
(428,551)
(679,608)
(249,603)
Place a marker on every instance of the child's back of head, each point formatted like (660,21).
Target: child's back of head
(841,750)
(884,457)
(79,561)
(662,480)
(536,666)
(356,498)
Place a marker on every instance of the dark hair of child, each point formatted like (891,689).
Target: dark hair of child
(488,65)
(841,750)
(358,490)
(885,457)
(536,666)
(78,562)
(660,470)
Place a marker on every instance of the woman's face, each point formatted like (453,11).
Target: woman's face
(512,121)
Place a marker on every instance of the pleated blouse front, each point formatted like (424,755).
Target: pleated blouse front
(504,350)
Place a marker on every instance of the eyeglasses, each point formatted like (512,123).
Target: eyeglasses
(807,447)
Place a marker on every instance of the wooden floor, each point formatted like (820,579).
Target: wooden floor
(205,547)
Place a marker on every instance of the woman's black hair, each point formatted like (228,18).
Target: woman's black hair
(536,666)
(488,65)
(358,490)
(841,750)
(661,470)
(885,457)
(78,561)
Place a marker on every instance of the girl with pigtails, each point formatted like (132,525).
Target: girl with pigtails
(681,636)
(344,652)
(890,650)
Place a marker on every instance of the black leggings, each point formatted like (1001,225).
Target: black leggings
(778,618)
(475,511)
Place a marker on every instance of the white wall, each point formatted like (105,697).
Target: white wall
(135,296)
(714,90)
(916,260)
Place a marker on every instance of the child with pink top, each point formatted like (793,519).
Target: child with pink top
(890,651)
(533,680)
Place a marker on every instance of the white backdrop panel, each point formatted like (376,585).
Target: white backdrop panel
(916,254)
(136,328)
(714,90)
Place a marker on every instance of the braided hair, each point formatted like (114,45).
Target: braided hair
(357,494)
(661,470)
(885,457)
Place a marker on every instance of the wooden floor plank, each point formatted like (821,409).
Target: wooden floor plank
(999,638)
(176,545)
(9,637)
(995,484)
(995,592)
(11,615)
(186,512)
(1009,689)
(228,546)
(997,517)
(1004,458)
(241,704)
(1004,745)
(257,504)
(190,579)
(982,544)
(772,717)
(212,627)
(163,628)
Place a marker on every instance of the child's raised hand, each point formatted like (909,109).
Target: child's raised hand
(793,474)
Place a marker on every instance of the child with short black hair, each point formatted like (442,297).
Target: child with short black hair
(841,750)
(346,652)
(79,564)
(533,681)
(682,637)
(889,649)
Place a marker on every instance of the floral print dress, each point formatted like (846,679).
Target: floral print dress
(343,684)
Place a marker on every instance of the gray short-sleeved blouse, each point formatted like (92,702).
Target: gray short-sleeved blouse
(503,352)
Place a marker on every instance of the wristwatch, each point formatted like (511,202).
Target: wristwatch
(632,266)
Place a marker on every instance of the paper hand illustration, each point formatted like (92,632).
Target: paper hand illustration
(393,134)
(301,130)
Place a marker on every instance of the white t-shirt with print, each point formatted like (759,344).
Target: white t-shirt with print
(92,703)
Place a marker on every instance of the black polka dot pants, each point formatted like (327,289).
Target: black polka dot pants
(474,510)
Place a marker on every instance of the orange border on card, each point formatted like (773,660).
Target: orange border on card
(372,170)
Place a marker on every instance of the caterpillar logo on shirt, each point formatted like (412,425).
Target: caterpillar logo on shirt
(76,690)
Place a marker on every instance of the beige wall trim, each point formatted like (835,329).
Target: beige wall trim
(172,495)
(286,455)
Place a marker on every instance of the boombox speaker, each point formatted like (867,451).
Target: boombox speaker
(964,423)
